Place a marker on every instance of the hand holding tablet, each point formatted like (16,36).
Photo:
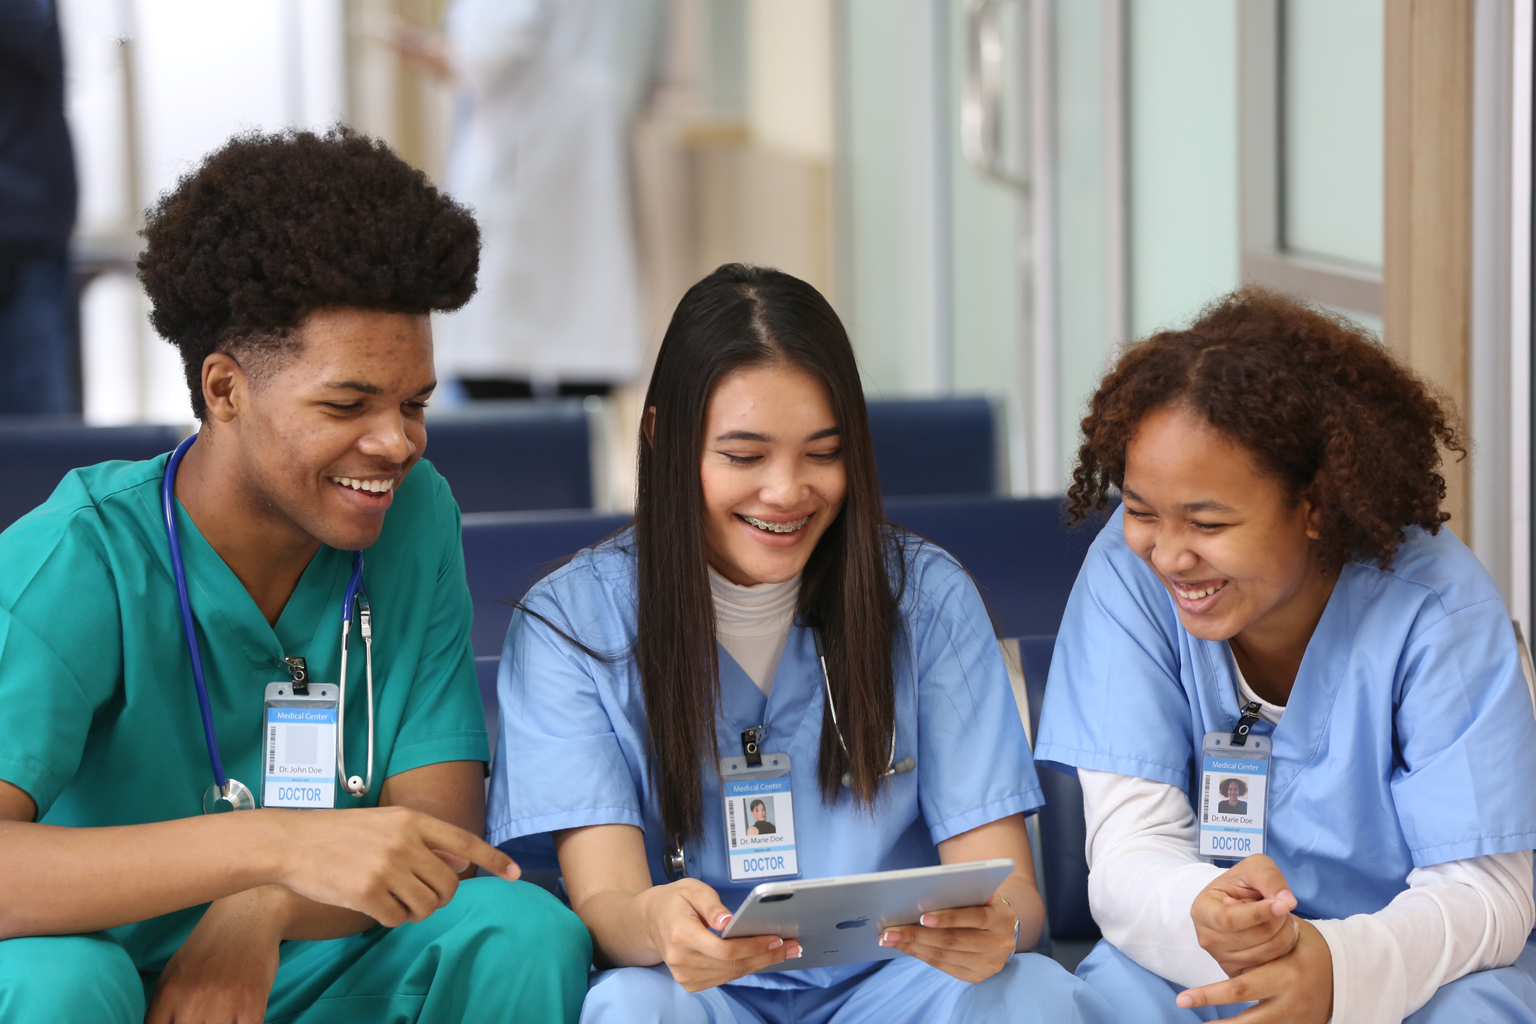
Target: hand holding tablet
(841,920)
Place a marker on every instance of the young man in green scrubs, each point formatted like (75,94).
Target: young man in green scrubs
(296,275)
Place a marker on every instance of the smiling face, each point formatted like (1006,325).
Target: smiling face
(1221,537)
(772,473)
(326,436)
(1232,792)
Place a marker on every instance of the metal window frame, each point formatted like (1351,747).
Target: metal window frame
(1522,138)
(1265,260)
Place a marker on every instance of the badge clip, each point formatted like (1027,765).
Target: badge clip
(300,673)
(1245,724)
(751,745)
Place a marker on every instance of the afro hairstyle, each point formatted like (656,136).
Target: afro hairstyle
(272,227)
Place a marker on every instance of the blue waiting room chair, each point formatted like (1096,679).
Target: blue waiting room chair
(935,446)
(516,455)
(40,452)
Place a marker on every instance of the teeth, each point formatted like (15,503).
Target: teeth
(776,527)
(370,486)
(1195,595)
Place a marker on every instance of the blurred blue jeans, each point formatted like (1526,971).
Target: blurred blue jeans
(37,339)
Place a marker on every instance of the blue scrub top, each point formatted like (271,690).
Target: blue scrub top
(1408,739)
(573,748)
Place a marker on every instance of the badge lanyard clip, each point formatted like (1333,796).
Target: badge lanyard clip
(300,673)
(751,745)
(1245,724)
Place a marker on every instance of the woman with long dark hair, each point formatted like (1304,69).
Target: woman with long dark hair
(636,676)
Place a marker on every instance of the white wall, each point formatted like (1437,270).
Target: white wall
(200,72)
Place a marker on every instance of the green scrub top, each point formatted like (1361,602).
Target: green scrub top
(98,710)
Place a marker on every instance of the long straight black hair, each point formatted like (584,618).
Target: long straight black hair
(737,317)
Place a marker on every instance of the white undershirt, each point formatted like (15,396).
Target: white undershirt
(1144,874)
(752,623)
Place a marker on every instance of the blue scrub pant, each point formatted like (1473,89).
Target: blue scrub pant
(497,951)
(1030,988)
(1503,996)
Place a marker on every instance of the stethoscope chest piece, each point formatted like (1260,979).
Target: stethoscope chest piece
(673,862)
(233,796)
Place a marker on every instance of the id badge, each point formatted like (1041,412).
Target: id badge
(299,747)
(759,818)
(1234,788)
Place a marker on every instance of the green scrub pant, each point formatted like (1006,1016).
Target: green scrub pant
(500,951)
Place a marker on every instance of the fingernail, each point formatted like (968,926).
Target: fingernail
(776,943)
(795,953)
(1184,1002)
(889,938)
(722,921)
(927,920)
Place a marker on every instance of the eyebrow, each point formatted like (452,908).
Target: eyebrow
(369,389)
(747,435)
(1209,505)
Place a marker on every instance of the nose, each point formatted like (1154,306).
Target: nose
(387,438)
(784,484)
(1171,554)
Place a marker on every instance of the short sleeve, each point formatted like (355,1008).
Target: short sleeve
(444,719)
(60,660)
(559,762)
(1466,740)
(1116,700)
(974,765)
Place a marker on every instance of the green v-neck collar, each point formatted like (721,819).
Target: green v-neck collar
(221,602)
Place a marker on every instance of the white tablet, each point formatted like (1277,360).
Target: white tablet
(839,920)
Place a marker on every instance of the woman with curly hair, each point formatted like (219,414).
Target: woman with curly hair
(1279,580)
(295,274)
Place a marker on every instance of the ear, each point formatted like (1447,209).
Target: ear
(224,386)
(1314,519)
(648,425)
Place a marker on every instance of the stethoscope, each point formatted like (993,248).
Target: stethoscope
(675,863)
(232,794)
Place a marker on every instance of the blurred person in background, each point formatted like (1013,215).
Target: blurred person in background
(549,90)
(37,213)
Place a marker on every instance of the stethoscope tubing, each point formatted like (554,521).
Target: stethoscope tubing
(179,571)
(349,607)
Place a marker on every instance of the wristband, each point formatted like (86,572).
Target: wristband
(1015,921)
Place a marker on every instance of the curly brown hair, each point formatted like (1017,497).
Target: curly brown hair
(1322,407)
(273,227)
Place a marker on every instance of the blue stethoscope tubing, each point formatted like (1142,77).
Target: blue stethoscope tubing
(231,791)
